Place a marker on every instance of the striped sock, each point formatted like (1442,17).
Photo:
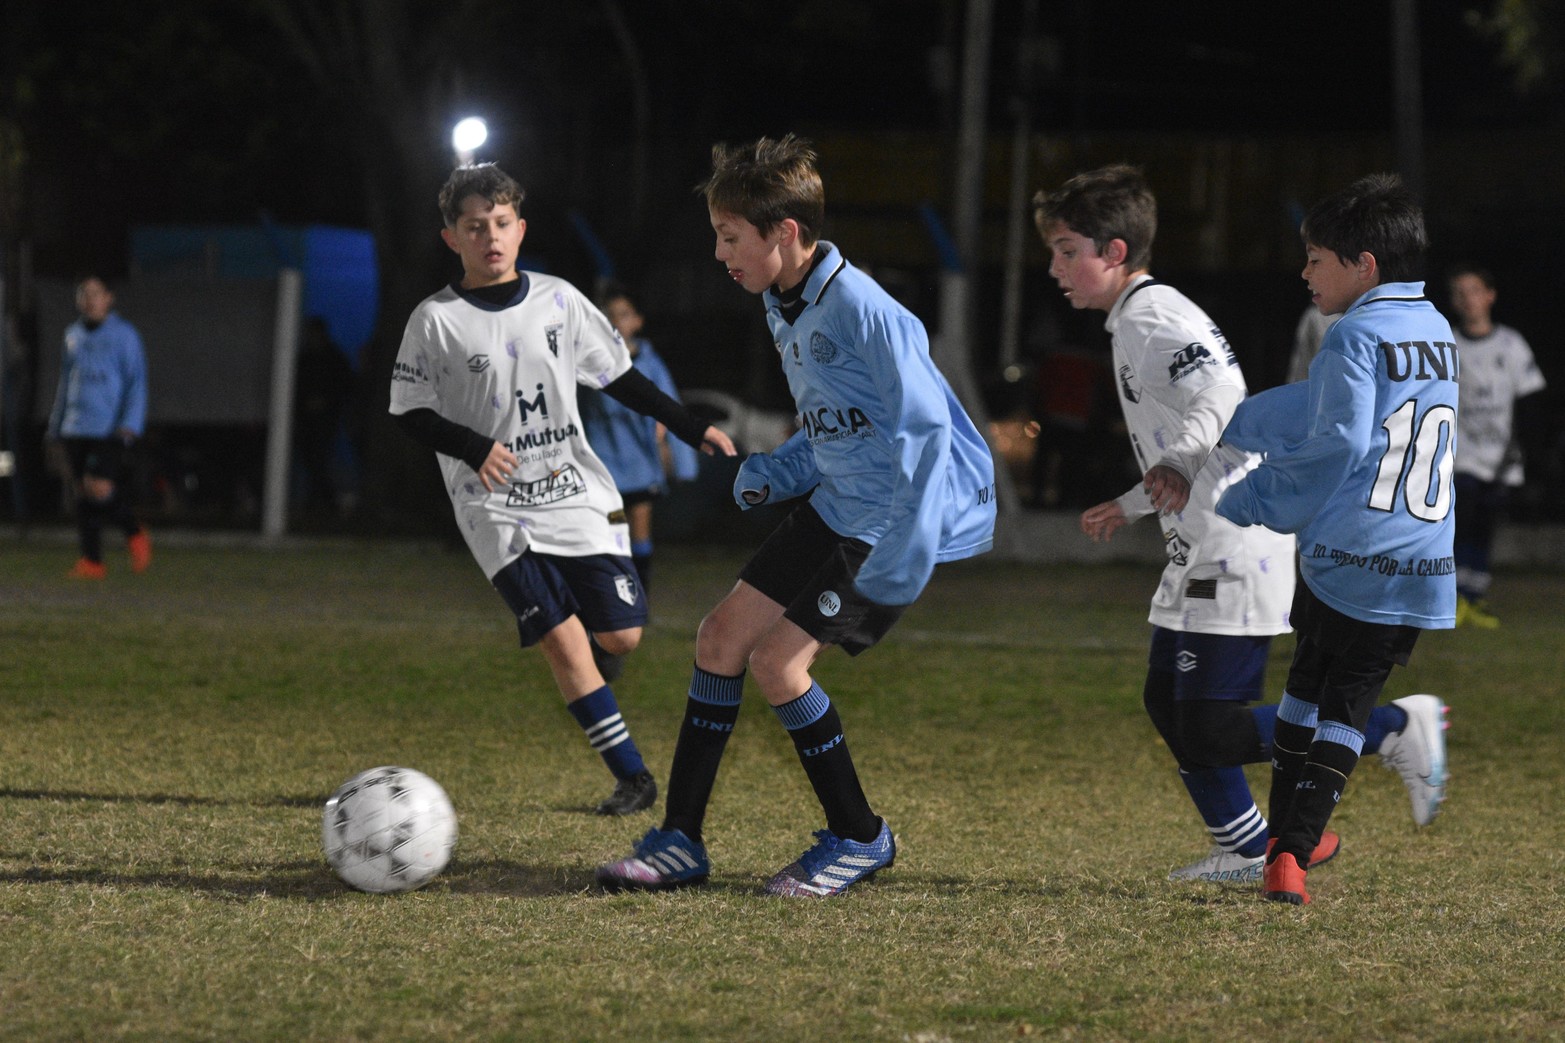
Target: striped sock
(816,730)
(1222,796)
(598,714)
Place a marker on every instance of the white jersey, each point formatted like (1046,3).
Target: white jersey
(511,371)
(1178,385)
(1496,369)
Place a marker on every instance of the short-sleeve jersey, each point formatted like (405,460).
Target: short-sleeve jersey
(894,458)
(1497,369)
(511,371)
(1221,578)
(1359,462)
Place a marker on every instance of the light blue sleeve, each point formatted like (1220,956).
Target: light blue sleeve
(791,467)
(1269,420)
(900,564)
(1289,488)
(133,405)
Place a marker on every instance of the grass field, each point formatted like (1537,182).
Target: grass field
(166,742)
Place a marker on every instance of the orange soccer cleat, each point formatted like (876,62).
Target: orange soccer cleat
(140,547)
(85,569)
(1284,881)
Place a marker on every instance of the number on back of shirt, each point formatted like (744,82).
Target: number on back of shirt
(1419,458)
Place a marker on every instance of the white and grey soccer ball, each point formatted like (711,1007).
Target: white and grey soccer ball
(388,829)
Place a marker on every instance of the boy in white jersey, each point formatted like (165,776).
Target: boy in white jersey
(1358,464)
(1499,381)
(898,479)
(487,376)
(1226,590)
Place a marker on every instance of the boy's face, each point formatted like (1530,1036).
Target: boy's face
(487,238)
(94,300)
(754,261)
(624,317)
(1471,299)
(1089,279)
(1334,283)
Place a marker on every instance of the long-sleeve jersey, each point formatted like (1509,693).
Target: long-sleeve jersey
(627,441)
(103,381)
(1179,383)
(893,457)
(1359,462)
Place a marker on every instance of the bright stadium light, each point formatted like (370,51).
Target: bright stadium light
(467,136)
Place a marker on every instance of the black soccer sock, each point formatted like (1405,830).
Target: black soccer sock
(710,713)
(89,527)
(816,730)
(1290,747)
(1332,757)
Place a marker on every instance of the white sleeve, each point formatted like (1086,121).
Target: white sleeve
(1135,502)
(1205,416)
(601,356)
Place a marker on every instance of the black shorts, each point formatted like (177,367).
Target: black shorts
(1341,663)
(96,457)
(544,590)
(808,569)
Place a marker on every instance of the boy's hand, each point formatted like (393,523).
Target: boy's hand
(1168,490)
(497,468)
(714,441)
(752,485)
(1101,521)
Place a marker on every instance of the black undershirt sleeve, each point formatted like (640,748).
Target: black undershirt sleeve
(430,429)
(635,391)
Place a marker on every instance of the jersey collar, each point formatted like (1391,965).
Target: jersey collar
(831,265)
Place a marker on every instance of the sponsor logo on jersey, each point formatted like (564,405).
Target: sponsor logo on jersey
(625,587)
(408,373)
(540,439)
(1185,661)
(828,424)
(528,406)
(829,603)
(1187,360)
(477,363)
(1127,378)
(554,487)
(822,350)
(552,332)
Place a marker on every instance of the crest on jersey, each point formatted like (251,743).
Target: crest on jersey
(477,363)
(1185,661)
(822,350)
(1177,547)
(552,332)
(625,587)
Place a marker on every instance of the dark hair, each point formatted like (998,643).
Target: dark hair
(478,179)
(615,291)
(1376,215)
(1483,275)
(768,182)
(1109,203)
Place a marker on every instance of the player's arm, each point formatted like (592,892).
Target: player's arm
(1167,482)
(1270,419)
(133,404)
(634,391)
(900,564)
(785,472)
(491,461)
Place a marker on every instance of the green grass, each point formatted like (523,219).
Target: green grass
(166,742)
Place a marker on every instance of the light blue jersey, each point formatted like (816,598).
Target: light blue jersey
(1359,462)
(893,457)
(626,441)
(103,381)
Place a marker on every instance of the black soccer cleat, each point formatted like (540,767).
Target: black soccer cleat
(631,795)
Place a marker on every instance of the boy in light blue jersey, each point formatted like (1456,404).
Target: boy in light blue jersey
(898,479)
(630,444)
(1359,463)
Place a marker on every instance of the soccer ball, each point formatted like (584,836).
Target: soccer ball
(388,829)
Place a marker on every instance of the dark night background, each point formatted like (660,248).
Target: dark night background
(338,112)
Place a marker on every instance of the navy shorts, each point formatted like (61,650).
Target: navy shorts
(809,569)
(1211,666)
(1341,663)
(544,590)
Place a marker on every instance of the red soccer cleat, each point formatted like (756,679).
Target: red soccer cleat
(1324,852)
(84,569)
(140,547)
(1284,881)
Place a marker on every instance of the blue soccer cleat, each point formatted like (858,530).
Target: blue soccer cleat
(664,859)
(833,865)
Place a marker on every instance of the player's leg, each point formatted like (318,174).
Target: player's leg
(549,597)
(113,466)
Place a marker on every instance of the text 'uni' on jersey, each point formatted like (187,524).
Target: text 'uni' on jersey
(1360,459)
(894,458)
(511,371)
(1178,383)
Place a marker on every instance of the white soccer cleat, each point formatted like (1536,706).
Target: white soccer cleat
(1417,753)
(1223,867)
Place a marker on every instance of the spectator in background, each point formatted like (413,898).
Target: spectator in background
(1500,385)
(1306,342)
(631,444)
(100,409)
(323,387)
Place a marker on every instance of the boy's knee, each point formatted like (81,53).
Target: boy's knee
(619,642)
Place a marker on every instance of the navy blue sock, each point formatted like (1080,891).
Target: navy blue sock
(710,714)
(1222,796)
(1383,720)
(598,714)
(816,730)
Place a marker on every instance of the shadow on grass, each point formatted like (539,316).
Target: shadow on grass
(185,799)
